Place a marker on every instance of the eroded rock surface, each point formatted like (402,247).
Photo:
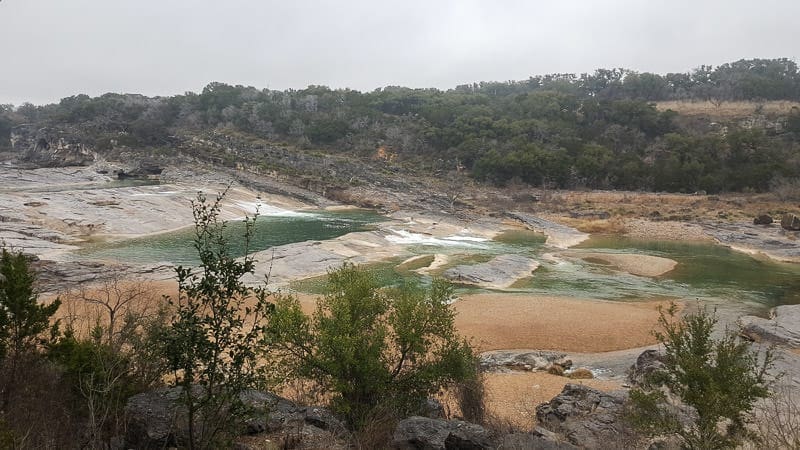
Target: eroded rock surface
(422,433)
(782,328)
(586,417)
(769,240)
(501,272)
(648,363)
(559,236)
(158,419)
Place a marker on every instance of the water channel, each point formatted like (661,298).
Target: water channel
(706,272)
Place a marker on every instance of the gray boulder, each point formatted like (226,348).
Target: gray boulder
(422,433)
(782,328)
(586,417)
(762,219)
(648,363)
(790,222)
(157,419)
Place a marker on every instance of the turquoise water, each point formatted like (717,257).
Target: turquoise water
(705,272)
(177,247)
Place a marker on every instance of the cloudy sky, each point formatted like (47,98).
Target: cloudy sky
(55,48)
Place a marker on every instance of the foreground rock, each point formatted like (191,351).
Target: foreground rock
(499,273)
(782,328)
(422,433)
(647,364)
(587,418)
(157,419)
(560,236)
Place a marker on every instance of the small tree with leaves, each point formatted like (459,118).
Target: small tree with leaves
(23,320)
(720,379)
(369,347)
(215,330)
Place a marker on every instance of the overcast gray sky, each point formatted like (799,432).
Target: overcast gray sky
(55,48)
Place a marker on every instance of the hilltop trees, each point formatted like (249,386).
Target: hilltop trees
(497,130)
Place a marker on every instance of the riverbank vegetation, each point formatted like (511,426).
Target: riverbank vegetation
(368,352)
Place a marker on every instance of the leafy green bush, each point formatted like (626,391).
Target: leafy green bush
(213,334)
(371,348)
(720,379)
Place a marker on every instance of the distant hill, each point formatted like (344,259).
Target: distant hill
(600,130)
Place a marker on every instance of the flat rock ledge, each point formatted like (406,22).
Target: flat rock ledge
(782,328)
(499,273)
(770,240)
(559,236)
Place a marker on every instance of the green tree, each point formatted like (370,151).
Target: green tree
(213,335)
(370,347)
(23,319)
(720,379)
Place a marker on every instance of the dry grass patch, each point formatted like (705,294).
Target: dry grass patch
(728,110)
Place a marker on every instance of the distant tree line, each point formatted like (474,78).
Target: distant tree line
(595,130)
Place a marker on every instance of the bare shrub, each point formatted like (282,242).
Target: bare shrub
(377,430)
(470,399)
(778,420)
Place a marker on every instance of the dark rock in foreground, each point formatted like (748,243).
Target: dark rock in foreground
(158,419)
(422,433)
(647,364)
(586,417)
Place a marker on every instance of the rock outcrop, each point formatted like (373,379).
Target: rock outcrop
(143,169)
(647,364)
(586,417)
(782,328)
(50,147)
(559,236)
(157,419)
(770,241)
(422,433)
(501,272)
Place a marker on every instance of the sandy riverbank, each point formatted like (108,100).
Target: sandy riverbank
(512,321)
(634,264)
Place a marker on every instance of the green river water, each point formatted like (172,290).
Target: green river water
(705,272)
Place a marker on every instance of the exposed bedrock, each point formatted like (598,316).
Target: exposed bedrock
(499,273)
